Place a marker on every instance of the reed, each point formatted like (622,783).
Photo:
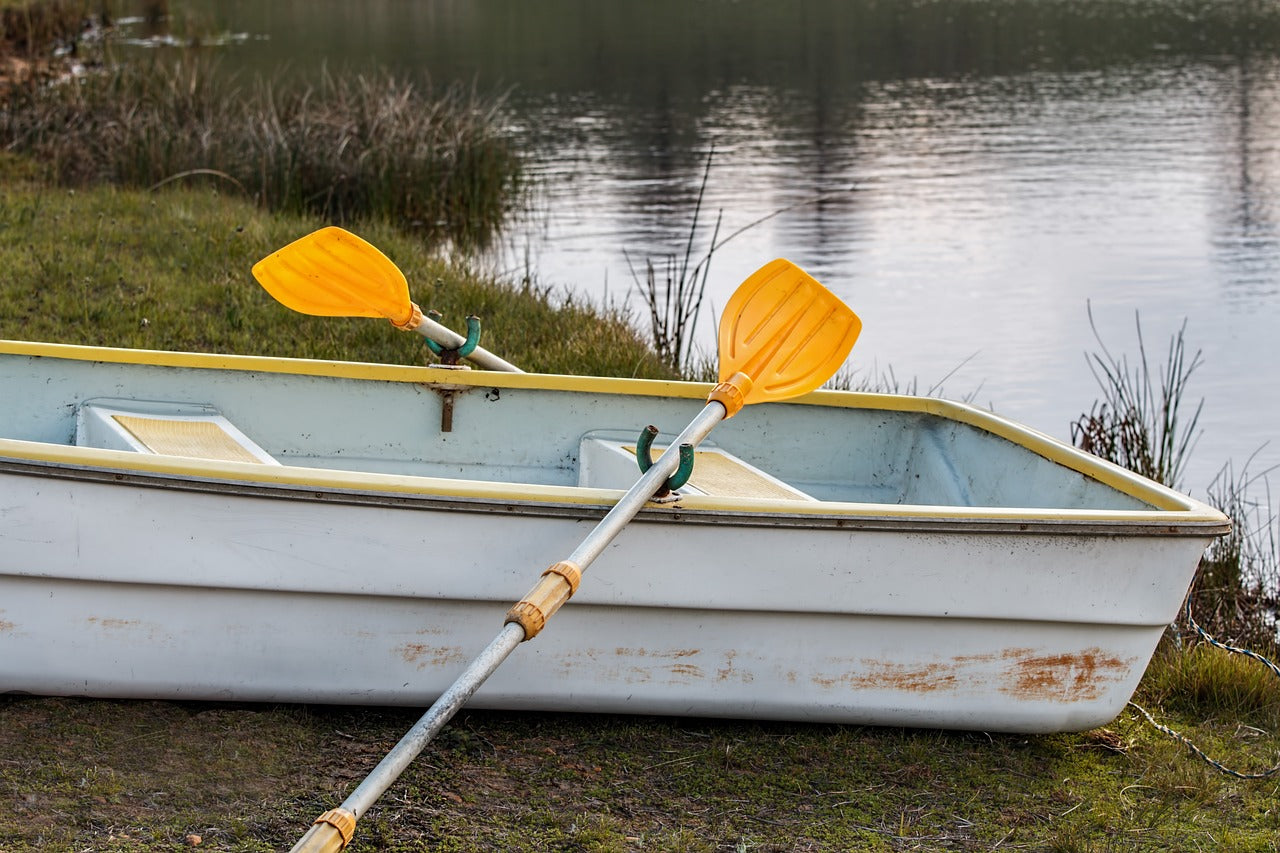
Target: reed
(345,148)
(675,302)
(1136,424)
(1235,593)
(674,298)
(1139,425)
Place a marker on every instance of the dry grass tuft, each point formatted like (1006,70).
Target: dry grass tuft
(348,147)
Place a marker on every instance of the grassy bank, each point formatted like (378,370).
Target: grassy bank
(170,270)
(31,29)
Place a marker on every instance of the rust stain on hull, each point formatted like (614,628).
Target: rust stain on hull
(623,652)
(422,655)
(7,626)
(105,622)
(1028,674)
(687,669)
(1071,677)
(910,678)
(636,665)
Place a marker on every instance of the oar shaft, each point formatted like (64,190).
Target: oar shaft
(324,836)
(449,339)
(430,724)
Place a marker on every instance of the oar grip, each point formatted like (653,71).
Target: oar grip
(557,584)
(732,393)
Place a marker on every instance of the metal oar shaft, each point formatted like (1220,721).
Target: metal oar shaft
(324,835)
(450,339)
(430,724)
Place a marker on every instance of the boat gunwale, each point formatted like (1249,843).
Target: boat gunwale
(399,493)
(1169,507)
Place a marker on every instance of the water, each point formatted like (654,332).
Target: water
(970,175)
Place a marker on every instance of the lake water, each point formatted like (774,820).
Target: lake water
(969,175)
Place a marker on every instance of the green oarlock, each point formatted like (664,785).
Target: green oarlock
(464,349)
(644,458)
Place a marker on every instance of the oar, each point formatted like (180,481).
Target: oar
(334,273)
(782,335)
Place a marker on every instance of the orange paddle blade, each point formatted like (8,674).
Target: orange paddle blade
(784,332)
(334,273)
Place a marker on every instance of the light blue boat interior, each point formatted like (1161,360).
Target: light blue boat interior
(522,435)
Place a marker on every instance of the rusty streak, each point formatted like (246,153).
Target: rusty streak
(1028,674)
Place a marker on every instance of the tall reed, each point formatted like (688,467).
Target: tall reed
(674,299)
(344,147)
(675,303)
(1135,424)
(1236,593)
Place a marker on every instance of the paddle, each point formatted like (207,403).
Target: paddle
(334,273)
(782,335)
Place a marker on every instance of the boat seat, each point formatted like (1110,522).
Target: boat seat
(168,429)
(608,462)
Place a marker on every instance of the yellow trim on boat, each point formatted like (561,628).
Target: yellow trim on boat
(1191,512)
(360,370)
(289,475)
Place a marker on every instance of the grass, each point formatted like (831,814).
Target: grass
(84,774)
(348,148)
(170,270)
(30,28)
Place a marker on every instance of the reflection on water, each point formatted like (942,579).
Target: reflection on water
(968,174)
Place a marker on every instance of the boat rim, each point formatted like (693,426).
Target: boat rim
(1172,512)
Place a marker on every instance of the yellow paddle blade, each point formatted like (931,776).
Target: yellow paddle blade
(782,335)
(334,273)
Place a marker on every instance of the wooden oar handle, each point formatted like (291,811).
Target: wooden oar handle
(557,584)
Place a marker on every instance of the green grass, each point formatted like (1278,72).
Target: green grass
(80,773)
(170,270)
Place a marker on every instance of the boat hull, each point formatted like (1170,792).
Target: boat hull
(129,587)
(124,574)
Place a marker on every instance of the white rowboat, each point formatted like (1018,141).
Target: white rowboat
(203,527)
